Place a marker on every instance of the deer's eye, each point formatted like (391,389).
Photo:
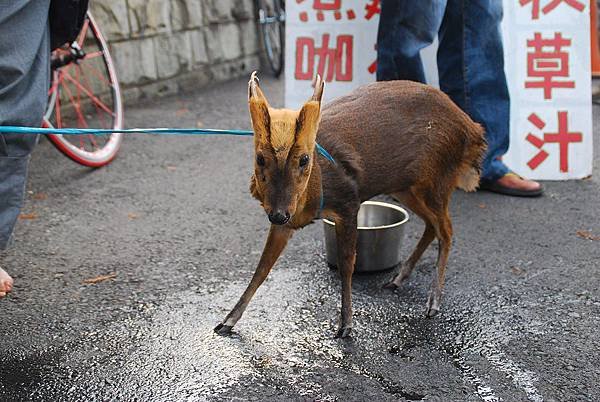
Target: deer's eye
(260,160)
(304,160)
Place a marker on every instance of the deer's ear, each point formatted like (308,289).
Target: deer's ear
(254,91)
(259,110)
(319,85)
(309,117)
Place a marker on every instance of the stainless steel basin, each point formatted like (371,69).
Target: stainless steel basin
(380,235)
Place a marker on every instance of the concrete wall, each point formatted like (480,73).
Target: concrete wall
(164,46)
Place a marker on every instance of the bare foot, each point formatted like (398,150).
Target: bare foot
(516,182)
(6,283)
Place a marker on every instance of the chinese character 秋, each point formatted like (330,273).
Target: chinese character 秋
(562,137)
(335,63)
(548,65)
(535,6)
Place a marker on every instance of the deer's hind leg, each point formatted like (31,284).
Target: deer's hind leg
(433,209)
(424,212)
(443,229)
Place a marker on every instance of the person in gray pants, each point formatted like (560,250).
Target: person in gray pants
(24,83)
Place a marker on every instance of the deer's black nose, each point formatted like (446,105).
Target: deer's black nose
(279,217)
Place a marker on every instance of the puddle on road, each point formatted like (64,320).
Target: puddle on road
(483,332)
(287,334)
(17,373)
(284,343)
(275,337)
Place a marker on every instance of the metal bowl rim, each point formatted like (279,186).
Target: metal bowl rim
(381,204)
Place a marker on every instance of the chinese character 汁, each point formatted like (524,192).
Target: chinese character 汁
(562,137)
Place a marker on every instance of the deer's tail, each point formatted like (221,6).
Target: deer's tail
(470,170)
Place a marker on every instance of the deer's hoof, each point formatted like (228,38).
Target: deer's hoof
(433,303)
(431,312)
(344,332)
(223,329)
(433,307)
(390,285)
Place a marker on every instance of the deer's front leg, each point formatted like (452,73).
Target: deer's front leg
(346,234)
(276,242)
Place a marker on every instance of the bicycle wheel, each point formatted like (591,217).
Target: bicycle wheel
(271,18)
(85,93)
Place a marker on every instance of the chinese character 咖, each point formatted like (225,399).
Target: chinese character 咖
(335,63)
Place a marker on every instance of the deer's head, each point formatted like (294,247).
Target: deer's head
(284,144)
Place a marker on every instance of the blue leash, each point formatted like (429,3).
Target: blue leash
(156,131)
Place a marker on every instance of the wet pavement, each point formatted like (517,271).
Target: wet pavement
(173,219)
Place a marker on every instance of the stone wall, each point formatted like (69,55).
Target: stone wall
(161,47)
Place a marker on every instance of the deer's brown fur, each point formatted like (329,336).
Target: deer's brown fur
(401,138)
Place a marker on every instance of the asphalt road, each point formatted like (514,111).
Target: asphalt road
(173,219)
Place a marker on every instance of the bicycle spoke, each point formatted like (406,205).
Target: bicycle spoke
(99,74)
(58,113)
(89,94)
(93,55)
(82,122)
(53,88)
(80,119)
(93,141)
(77,74)
(99,111)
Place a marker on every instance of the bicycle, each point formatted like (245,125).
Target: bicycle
(271,19)
(85,93)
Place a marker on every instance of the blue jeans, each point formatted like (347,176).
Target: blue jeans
(24,83)
(470,60)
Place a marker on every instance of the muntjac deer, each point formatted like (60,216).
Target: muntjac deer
(400,138)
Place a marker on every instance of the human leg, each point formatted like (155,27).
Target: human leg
(471,71)
(24,81)
(406,27)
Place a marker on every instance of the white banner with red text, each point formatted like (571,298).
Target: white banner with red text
(547,53)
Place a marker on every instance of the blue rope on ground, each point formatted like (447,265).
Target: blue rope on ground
(98,131)
(156,131)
